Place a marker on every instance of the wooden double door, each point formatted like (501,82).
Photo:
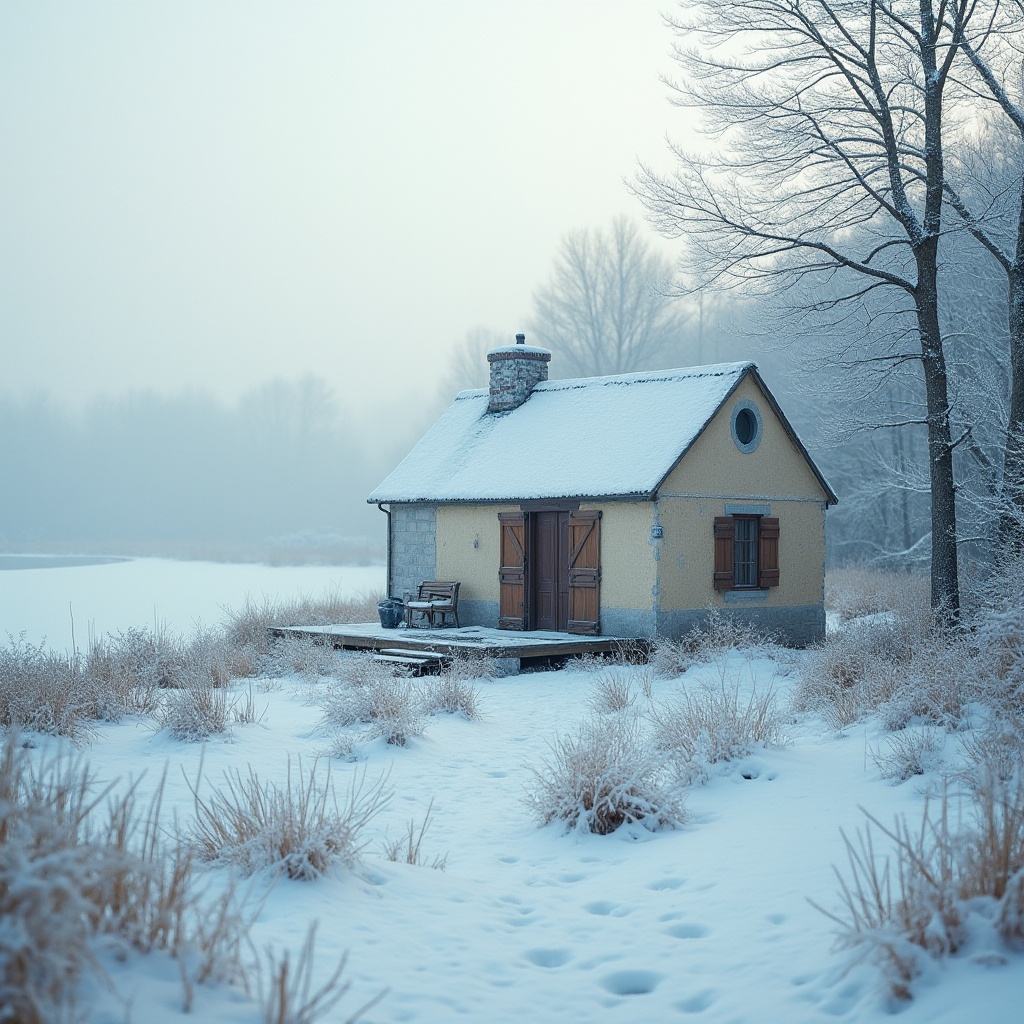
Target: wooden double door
(549,577)
(548,603)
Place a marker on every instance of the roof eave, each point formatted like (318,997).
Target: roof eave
(631,496)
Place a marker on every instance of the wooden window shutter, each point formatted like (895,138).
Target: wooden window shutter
(725,532)
(584,573)
(768,556)
(512,571)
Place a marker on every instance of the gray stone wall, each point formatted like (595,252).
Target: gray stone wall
(478,613)
(628,622)
(795,626)
(413,547)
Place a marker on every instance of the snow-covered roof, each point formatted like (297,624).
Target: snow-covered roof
(594,437)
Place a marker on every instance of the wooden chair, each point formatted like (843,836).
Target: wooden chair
(435,600)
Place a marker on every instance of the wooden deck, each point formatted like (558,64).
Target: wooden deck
(495,643)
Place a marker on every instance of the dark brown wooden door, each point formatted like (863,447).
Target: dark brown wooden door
(512,571)
(584,572)
(549,571)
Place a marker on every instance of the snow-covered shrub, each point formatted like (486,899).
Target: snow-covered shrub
(245,710)
(44,943)
(670,658)
(76,864)
(464,666)
(342,745)
(1010,918)
(195,712)
(124,670)
(408,848)
(394,711)
(205,658)
(643,676)
(631,652)
(450,695)
(856,592)
(713,723)
(920,898)
(286,994)
(909,752)
(994,750)
(376,694)
(586,662)
(721,634)
(298,828)
(159,657)
(712,642)
(858,669)
(248,628)
(310,657)
(363,669)
(451,691)
(998,629)
(601,778)
(613,693)
(42,691)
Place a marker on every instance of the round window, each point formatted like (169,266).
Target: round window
(746,426)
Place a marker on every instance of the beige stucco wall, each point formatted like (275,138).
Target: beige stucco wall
(628,570)
(714,465)
(715,473)
(686,564)
(467,550)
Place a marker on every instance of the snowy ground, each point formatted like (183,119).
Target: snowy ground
(148,592)
(710,922)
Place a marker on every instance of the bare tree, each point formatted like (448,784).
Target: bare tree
(608,307)
(828,171)
(992,45)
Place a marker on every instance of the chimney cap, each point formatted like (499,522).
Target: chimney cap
(520,339)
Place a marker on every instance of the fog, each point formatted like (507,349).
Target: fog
(198,199)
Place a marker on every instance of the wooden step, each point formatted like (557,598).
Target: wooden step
(401,652)
(419,663)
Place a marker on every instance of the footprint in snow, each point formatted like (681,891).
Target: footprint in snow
(666,883)
(688,931)
(631,982)
(697,1003)
(548,957)
(604,908)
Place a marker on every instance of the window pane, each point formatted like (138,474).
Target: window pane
(745,553)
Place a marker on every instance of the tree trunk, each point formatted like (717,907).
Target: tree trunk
(945,596)
(1011,526)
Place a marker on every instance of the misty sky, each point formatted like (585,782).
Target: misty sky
(207,195)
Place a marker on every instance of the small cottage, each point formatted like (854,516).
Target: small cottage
(624,505)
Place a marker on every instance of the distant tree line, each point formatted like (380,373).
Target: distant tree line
(186,473)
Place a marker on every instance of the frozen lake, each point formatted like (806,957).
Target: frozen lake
(39,595)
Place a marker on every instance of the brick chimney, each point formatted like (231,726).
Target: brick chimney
(515,370)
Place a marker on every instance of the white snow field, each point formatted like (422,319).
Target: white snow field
(148,592)
(708,922)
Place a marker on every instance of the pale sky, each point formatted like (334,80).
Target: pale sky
(208,195)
